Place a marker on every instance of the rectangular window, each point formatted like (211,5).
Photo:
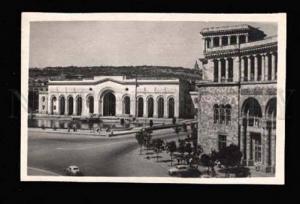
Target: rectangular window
(216,71)
(222,141)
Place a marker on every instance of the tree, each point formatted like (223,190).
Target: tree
(229,156)
(147,138)
(140,139)
(171,148)
(206,161)
(157,144)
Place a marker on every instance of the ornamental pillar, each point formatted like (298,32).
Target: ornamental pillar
(229,40)
(249,68)
(220,41)
(267,67)
(246,38)
(262,67)
(166,115)
(227,69)
(237,39)
(155,107)
(255,68)
(273,55)
(145,112)
(242,69)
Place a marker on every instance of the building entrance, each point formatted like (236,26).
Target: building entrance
(109,104)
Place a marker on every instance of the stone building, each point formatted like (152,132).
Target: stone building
(237,96)
(118,96)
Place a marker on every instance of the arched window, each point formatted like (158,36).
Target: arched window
(216,71)
(150,104)
(70,105)
(91,104)
(126,105)
(216,113)
(160,107)
(252,112)
(222,114)
(228,114)
(53,104)
(62,105)
(171,105)
(79,105)
(140,107)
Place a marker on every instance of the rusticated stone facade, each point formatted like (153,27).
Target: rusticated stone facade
(237,96)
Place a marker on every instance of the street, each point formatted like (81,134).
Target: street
(95,156)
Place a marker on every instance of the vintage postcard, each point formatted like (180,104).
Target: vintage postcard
(153,98)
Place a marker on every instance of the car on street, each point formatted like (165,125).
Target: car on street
(73,171)
(184,171)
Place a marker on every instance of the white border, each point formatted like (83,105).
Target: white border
(279,18)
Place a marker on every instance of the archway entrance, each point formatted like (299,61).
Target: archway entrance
(109,104)
(150,107)
(252,115)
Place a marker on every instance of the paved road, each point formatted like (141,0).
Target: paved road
(95,156)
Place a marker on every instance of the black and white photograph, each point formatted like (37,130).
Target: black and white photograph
(153,98)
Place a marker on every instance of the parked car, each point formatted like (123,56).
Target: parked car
(184,171)
(73,171)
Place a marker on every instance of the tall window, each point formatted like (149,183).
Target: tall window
(252,68)
(230,69)
(140,107)
(245,68)
(126,105)
(259,68)
(223,70)
(269,58)
(222,141)
(216,71)
(222,114)
(228,114)
(216,113)
(160,107)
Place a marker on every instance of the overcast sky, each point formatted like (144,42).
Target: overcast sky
(122,43)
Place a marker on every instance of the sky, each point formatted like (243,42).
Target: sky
(121,43)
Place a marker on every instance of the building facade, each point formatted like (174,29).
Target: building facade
(117,96)
(237,97)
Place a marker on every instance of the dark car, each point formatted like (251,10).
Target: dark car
(184,171)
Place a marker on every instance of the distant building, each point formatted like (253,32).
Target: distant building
(36,86)
(118,96)
(237,100)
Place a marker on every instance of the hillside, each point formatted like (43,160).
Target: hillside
(59,73)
